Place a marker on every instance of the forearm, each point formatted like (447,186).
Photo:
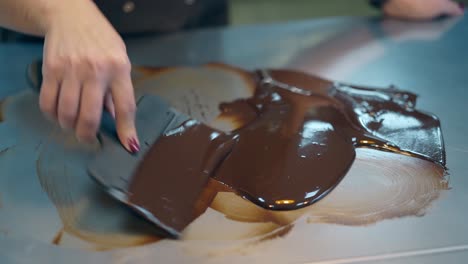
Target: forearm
(27,16)
(34,16)
(418,9)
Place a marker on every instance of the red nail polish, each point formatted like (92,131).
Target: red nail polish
(133,145)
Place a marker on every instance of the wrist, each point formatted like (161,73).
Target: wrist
(56,11)
(46,14)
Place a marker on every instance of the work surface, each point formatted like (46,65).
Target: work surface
(429,59)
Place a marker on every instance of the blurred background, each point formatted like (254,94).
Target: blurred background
(267,11)
(245,12)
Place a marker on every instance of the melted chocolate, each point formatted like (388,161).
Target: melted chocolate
(278,159)
(174,172)
(298,143)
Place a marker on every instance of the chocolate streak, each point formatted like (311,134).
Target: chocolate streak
(299,142)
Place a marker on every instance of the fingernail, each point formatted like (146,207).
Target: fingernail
(133,145)
(462,5)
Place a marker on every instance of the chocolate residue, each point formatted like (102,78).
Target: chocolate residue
(1,110)
(298,143)
(91,219)
(140,74)
(395,186)
(150,71)
(251,245)
(197,91)
(58,237)
(280,232)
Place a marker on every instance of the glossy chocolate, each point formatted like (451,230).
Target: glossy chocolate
(171,178)
(297,143)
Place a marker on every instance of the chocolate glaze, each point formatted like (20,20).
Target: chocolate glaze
(171,178)
(298,143)
(278,159)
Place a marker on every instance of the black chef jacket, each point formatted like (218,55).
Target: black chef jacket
(136,17)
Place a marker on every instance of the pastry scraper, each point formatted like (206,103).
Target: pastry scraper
(114,167)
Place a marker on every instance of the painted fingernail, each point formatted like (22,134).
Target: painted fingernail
(462,5)
(133,145)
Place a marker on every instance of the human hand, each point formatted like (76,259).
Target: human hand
(422,9)
(85,69)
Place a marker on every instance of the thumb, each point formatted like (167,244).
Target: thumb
(125,108)
(452,8)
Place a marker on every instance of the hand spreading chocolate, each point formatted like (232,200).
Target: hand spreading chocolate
(84,71)
(86,67)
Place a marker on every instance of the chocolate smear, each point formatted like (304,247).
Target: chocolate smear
(298,142)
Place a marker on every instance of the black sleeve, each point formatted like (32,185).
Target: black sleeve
(378,3)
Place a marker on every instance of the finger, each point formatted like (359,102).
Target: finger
(451,8)
(109,104)
(49,96)
(124,102)
(91,103)
(68,101)
(52,75)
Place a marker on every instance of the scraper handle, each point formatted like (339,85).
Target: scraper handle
(35,78)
